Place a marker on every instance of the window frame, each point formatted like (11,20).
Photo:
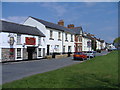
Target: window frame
(20,52)
(18,39)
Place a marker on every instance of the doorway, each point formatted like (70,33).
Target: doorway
(48,49)
(30,51)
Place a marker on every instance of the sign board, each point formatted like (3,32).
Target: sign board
(30,41)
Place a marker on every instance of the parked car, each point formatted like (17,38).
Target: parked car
(79,56)
(90,54)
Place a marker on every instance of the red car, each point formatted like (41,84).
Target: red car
(79,56)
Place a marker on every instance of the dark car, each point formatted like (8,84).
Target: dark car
(79,56)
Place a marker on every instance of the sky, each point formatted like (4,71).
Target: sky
(98,18)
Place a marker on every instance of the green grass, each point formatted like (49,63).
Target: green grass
(99,72)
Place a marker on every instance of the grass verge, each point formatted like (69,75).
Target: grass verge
(99,72)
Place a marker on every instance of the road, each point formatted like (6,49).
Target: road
(17,70)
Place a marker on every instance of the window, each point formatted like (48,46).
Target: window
(71,38)
(80,39)
(39,40)
(69,48)
(39,52)
(51,34)
(59,35)
(63,49)
(56,47)
(66,37)
(18,53)
(18,39)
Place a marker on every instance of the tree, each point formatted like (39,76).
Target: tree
(116,42)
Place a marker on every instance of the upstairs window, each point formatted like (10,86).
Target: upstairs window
(66,37)
(71,38)
(39,40)
(51,35)
(59,35)
(18,39)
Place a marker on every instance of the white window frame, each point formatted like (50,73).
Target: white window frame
(66,38)
(21,54)
(71,38)
(18,39)
(59,35)
(39,52)
(51,34)
(39,40)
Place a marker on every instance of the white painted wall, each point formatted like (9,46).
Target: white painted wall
(69,43)
(103,45)
(84,44)
(54,42)
(98,44)
(30,21)
(4,42)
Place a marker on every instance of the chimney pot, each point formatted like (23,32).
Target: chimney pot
(71,26)
(61,22)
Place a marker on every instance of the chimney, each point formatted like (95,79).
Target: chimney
(71,26)
(61,22)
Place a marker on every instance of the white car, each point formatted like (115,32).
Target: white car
(90,54)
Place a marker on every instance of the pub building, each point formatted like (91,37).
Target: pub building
(20,42)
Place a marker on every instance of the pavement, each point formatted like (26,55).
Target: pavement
(17,70)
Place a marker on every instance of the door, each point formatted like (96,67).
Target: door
(48,49)
(69,48)
(30,51)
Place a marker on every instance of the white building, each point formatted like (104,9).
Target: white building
(58,38)
(85,43)
(19,42)
(103,45)
(98,42)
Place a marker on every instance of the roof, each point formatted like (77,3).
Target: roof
(53,25)
(76,30)
(6,26)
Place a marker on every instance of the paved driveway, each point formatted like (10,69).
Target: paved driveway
(18,70)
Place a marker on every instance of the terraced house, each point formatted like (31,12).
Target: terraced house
(19,42)
(38,38)
(59,39)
